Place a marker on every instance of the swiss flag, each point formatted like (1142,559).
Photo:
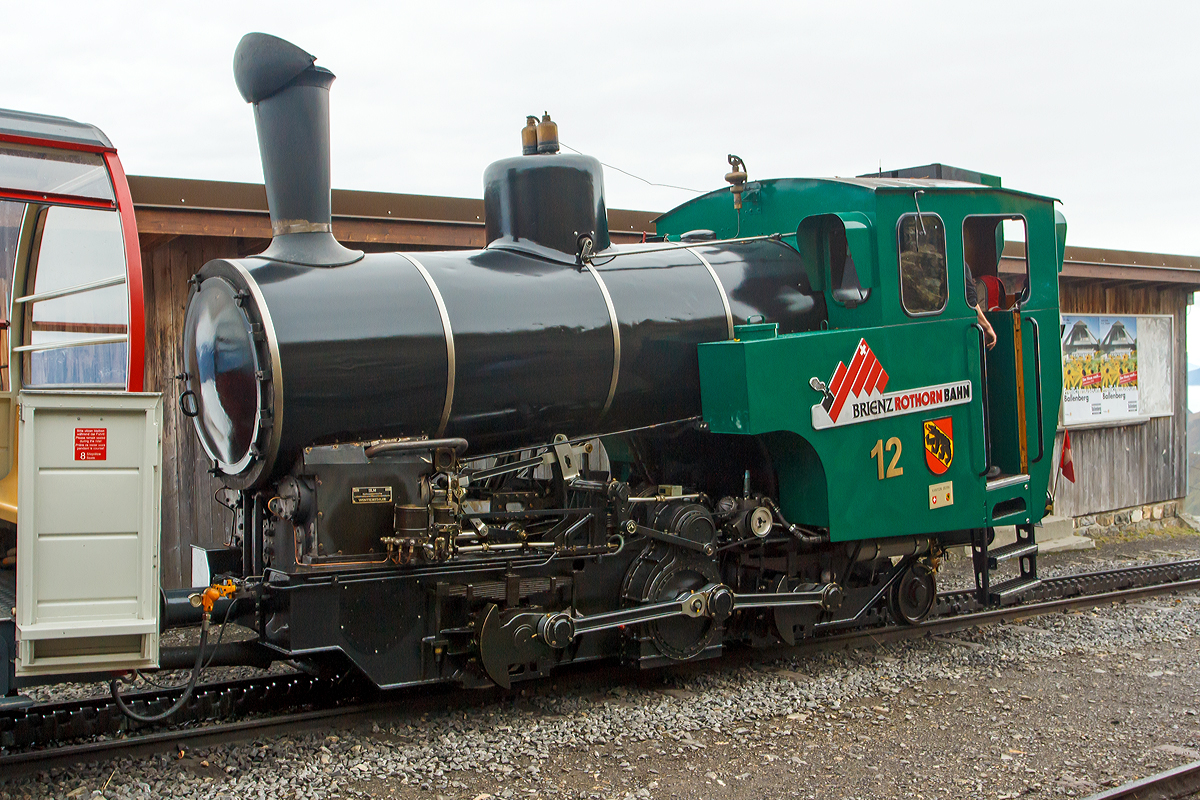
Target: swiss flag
(1065,464)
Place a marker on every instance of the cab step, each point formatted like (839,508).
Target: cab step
(1012,589)
(1023,550)
(1010,551)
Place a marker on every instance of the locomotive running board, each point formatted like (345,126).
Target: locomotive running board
(509,639)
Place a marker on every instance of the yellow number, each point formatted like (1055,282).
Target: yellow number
(892,471)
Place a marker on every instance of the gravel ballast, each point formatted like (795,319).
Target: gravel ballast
(1058,706)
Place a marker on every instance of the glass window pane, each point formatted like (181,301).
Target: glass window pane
(79,246)
(67,172)
(87,365)
(11,216)
(99,312)
(922,263)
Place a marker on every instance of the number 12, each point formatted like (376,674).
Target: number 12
(877,453)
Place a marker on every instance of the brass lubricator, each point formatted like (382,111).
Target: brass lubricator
(529,136)
(547,135)
(736,180)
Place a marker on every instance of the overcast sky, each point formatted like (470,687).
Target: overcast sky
(1094,103)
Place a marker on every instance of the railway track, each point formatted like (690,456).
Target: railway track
(55,734)
(1175,784)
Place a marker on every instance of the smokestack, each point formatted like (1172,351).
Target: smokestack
(291,113)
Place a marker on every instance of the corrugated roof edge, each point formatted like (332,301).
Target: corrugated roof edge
(57,129)
(1098,256)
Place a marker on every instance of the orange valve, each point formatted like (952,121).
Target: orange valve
(212,594)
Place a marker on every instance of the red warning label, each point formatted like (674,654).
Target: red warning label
(91,444)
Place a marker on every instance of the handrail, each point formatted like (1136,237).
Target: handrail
(115,280)
(1037,383)
(110,339)
(987,426)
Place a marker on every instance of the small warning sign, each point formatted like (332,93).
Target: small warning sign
(91,444)
(941,495)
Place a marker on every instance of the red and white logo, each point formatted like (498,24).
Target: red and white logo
(855,393)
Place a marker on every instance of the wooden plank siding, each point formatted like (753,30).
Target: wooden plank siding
(1136,464)
(189,513)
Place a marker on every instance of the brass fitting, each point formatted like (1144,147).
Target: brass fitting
(547,135)
(211,595)
(736,180)
(529,136)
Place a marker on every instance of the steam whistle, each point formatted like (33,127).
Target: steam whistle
(736,180)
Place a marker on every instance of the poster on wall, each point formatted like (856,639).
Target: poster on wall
(1100,368)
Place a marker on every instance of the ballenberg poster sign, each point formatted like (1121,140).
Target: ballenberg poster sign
(1100,377)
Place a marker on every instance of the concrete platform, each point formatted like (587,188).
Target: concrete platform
(1053,534)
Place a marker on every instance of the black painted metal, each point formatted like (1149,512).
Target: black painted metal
(8,632)
(291,113)
(176,609)
(544,203)
(362,350)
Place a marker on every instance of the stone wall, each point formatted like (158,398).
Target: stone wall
(1148,517)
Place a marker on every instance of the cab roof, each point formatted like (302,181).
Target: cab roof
(54,129)
(876,184)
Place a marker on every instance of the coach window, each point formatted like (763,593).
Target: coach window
(922,240)
(57,172)
(76,319)
(994,254)
(11,216)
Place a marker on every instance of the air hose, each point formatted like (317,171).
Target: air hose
(114,686)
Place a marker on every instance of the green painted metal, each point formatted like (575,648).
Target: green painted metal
(870,477)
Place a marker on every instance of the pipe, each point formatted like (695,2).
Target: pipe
(459,446)
(871,549)
(227,654)
(177,610)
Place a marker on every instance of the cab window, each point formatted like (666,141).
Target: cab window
(76,319)
(922,242)
(995,262)
(847,286)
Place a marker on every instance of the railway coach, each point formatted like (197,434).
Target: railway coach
(72,344)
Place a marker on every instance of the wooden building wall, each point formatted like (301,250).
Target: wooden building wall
(190,514)
(1133,464)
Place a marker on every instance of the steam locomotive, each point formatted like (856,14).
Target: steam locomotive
(768,421)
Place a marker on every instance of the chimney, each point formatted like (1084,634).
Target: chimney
(291,113)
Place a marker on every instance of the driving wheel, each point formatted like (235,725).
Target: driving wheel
(913,594)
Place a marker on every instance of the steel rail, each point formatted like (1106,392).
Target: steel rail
(71,719)
(1173,784)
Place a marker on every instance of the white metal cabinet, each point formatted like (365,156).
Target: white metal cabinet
(88,531)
